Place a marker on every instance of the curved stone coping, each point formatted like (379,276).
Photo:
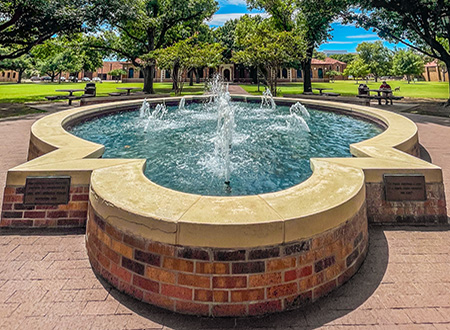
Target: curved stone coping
(128,200)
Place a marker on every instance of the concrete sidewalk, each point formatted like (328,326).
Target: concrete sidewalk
(46,281)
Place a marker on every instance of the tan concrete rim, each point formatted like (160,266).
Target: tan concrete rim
(128,200)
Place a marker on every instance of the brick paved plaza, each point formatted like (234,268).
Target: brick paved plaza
(46,281)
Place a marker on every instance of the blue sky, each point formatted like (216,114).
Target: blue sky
(345,37)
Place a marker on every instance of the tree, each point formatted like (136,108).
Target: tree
(312,17)
(332,74)
(186,55)
(27,23)
(54,57)
(266,48)
(118,73)
(225,36)
(346,58)
(319,55)
(408,63)
(357,69)
(377,58)
(421,24)
(143,26)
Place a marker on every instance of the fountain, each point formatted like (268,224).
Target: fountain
(297,112)
(225,124)
(182,103)
(294,229)
(267,100)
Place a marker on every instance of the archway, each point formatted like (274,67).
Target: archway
(320,72)
(226,75)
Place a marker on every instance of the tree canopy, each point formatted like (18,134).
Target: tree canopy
(143,26)
(408,63)
(27,23)
(312,17)
(357,69)
(186,55)
(377,57)
(265,47)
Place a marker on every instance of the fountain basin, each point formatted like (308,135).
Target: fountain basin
(229,256)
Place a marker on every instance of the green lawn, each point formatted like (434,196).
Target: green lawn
(30,92)
(421,89)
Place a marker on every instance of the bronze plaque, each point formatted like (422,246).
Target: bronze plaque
(405,187)
(50,190)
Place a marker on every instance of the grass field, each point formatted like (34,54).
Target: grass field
(30,92)
(421,89)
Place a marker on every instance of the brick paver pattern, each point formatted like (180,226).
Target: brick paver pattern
(46,281)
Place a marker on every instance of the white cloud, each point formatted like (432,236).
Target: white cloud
(232,2)
(220,19)
(362,36)
(340,42)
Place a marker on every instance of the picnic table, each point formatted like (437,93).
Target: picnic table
(322,89)
(70,97)
(129,89)
(326,89)
(387,96)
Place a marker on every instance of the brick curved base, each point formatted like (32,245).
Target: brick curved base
(218,282)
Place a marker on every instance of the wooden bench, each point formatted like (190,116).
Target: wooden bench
(390,98)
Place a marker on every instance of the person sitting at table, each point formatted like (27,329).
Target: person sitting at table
(386,86)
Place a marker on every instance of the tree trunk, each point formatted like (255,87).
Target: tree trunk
(19,77)
(197,75)
(148,79)
(446,104)
(176,69)
(191,77)
(306,66)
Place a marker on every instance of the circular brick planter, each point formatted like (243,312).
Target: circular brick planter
(227,282)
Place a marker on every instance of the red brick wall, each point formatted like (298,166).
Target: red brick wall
(16,214)
(431,211)
(227,282)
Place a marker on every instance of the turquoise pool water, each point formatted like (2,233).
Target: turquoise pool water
(270,149)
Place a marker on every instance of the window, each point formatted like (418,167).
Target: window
(14,75)
(284,73)
(299,73)
(167,74)
(338,69)
(3,73)
(9,74)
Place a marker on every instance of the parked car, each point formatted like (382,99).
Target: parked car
(96,79)
(62,79)
(73,79)
(46,78)
(35,78)
(86,79)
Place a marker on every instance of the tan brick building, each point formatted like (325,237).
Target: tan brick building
(434,73)
(241,74)
(8,76)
